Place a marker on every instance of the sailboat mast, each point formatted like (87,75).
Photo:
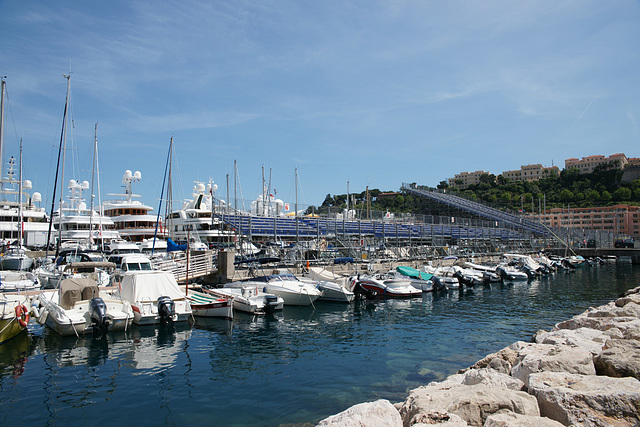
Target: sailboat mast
(64,152)
(296,209)
(2,124)
(20,225)
(55,181)
(93,165)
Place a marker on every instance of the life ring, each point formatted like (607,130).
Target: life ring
(22,314)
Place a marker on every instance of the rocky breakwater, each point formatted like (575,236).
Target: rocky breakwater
(584,372)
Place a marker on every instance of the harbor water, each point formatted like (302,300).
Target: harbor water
(295,367)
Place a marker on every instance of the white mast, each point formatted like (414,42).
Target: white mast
(20,230)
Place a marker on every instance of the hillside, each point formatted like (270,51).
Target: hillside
(601,188)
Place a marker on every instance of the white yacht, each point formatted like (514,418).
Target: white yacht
(132,218)
(195,220)
(77,223)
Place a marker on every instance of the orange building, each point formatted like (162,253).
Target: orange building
(618,219)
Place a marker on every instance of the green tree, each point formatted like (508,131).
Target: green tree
(566,196)
(605,196)
(622,194)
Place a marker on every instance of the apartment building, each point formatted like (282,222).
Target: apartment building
(465,179)
(619,219)
(531,173)
(590,163)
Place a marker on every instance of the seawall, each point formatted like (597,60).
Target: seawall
(583,372)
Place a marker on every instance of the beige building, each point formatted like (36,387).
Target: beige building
(531,173)
(465,179)
(590,163)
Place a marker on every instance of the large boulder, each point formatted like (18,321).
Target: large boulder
(554,358)
(486,376)
(509,419)
(589,339)
(587,400)
(501,361)
(619,358)
(379,413)
(473,403)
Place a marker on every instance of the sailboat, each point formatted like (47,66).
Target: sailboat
(76,224)
(19,222)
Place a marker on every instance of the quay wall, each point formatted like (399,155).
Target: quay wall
(585,371)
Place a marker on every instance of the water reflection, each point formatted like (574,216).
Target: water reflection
(14,355)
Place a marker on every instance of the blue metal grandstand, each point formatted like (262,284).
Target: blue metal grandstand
(515,221)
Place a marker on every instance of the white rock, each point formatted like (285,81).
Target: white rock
(553,358)
(371,414)
(587,400)
(509,419)
(473,403)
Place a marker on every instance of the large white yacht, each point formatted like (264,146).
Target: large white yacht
(80,224)
(34,219)
(131,217)
(195,220)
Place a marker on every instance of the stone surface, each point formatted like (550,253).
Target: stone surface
(589,339)
(473,403)
(438,418)
(554,358)
(501,361)
(509,419)
(486,376)
(619,358)
(372,414)
(587,400)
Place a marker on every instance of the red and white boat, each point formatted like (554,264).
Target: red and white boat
(380,286)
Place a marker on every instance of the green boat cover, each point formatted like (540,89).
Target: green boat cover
(412,272)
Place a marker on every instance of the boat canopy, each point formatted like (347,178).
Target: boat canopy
(76,289)
(412,272)
(143,286)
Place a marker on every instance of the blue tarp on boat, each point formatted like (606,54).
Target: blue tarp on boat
(343,260)
(173,246)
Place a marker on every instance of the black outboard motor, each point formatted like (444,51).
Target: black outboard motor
(166,309)
(270,303)
(98,314)
(437,284)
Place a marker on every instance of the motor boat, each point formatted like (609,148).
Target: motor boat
(511,274)
(248,297)
(208,305)
(14,315)
(332,286)
(18,281)
(16,258)
(78,307)
(50,272)
(380,286)
(155,297)
(291,289)
(419,279)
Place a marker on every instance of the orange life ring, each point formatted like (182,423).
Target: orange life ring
(22,314)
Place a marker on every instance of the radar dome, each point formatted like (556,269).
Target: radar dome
(36,197)
(26,184)
(72,183)
(127,173)
(137,175)
(85,185)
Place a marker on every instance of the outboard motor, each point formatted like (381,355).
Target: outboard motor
(98,314)
(270,303)
(437,284)
(166,309)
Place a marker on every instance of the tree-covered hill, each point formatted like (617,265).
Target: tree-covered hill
(601,188)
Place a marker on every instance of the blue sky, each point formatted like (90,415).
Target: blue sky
(374,93)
